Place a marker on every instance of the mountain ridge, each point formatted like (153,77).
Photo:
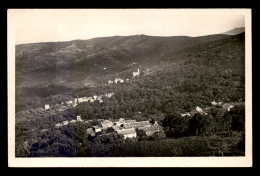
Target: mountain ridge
(115,53)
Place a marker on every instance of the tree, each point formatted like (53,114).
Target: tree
(158,136)
(200,124)
(110,130)
(175,125)
(141,135)
(238,118)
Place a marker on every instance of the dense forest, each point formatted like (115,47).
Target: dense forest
(193,76)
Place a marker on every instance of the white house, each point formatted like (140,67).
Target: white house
(91,100)
(109,94)
(127,133)
(110,82)
(80,100)
(46,106)
(198,109)
(70,102)
(95,97)
(79,119)
(85,99)
(185,114)
(73,121)
(65,122)
(214,103)
(117,80)
(97,129)
(136,73)
(58,125)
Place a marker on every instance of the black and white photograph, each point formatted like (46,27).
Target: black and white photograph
(129,87)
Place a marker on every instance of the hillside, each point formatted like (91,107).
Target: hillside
(82,62)
(176,83)
(235,31)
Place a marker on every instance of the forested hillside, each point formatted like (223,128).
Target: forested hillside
(184,78)
(46,69)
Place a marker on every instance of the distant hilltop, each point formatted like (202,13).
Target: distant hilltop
(235,31)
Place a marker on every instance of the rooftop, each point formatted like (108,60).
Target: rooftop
(126,131)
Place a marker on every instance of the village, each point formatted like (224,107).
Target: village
(127,128)
(119,80)
(48,110)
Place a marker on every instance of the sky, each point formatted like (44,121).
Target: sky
(50,25)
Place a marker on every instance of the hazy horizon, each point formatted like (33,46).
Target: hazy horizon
(52,25)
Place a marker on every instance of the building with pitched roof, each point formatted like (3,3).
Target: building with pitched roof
(141,124)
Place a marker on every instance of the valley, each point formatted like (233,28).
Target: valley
(177,74)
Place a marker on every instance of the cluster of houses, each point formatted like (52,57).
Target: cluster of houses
(76,101)
(66,122)
(127,128)
(119,80)
(205,111)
